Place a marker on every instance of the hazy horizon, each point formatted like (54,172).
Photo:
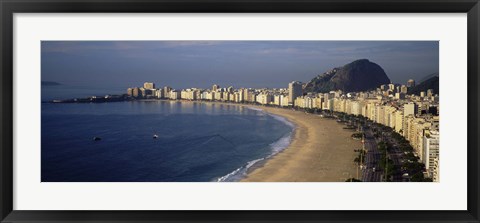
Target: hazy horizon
(184,64)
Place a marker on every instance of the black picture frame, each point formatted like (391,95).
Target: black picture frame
(9,7)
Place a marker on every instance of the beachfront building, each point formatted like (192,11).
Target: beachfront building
(294,91)
(356,108)
(130,92)
(159,93)
(166,91)
(308,101)
(218,95)
(318,101)
(277,99)
(413,116)
(410,109)
(136,92)
(207,95)
(436,170)
(174,95)
(431,152)
(231,96)
(189,94)
(399,121)
(215,87)
(417,128)
(264,98)
(238,96)
(149,85)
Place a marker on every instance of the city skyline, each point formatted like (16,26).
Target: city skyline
(239,63)
(410,121)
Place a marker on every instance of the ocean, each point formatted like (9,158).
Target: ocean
(197,142)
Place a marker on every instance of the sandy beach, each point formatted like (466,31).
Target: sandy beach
(320,151)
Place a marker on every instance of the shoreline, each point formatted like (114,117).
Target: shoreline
(320,150)
(240,173)
(310,156)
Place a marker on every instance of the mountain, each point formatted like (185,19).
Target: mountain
(428,77)
(431,83)
(359,75)
(50,83)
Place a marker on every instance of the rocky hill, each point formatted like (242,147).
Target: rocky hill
(359,75)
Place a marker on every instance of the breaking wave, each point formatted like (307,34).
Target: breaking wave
(276,147)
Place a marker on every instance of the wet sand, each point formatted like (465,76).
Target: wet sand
(320,151)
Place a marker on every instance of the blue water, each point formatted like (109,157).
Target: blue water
(198,142)
(71,91)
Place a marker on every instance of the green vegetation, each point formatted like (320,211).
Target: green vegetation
(358,135)
(361,156)
(410,163)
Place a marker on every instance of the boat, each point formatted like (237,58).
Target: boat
(96,138)
(155,136)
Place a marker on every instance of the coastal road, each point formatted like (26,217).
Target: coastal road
(396,155)
(371,159)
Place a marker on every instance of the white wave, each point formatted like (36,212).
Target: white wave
(281,144)
(276,147)
(239,173)
(282,119)
(255,109)
(242,171)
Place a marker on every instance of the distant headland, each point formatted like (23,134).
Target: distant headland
(50,83)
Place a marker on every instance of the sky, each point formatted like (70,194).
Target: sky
(257,64)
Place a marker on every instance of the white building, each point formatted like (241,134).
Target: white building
(431,152)
(294,90)
(410,109)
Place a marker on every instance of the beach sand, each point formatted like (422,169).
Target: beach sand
(320,151)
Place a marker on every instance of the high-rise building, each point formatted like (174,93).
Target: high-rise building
(430,152)
(398,121)
(410,109)
(142,91)
(411,83)
(159,93)
(294,91)
(149,85)
(326,103)
(391,87)
(429,92)
(174,95)
(136,92)
(399,96)
(166,91)
(130,92)
(403,89)
(436,174)
(215,87)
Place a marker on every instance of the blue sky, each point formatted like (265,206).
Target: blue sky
(183,64)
